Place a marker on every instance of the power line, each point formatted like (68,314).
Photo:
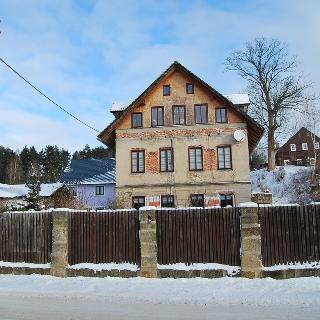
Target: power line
(52,101)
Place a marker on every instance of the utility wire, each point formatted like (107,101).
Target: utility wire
(39,91)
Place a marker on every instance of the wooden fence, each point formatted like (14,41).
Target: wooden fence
(104,237)
(290,234)
(26,237)
(198,236)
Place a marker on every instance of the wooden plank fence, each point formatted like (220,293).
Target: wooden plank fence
(104,237)
(26,236)
(290,234)
(199,236)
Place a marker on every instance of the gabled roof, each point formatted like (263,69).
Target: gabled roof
(255,131)
(301,130)
(90,171)
(20,190)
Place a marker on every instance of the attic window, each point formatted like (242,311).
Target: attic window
(221,115)
(136,120)
(316,145)
(189,88)
(304,146)
(166,90)
(293,147)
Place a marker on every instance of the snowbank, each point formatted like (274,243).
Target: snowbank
(225,291)
(288,184)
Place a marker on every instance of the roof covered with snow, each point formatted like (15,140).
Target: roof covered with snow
(20,190)
(90,171)
(238,98)
(119,106)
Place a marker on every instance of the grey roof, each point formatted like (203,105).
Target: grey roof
(90,171)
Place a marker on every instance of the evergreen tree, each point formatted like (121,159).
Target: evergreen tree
(34,186)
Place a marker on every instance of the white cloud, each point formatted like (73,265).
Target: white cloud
(86,59)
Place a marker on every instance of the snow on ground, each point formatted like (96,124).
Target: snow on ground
(288,184)
(24,265)
(105,266)
(200,266)
(257,292)
(296,265)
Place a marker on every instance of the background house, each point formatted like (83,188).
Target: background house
(302,149)
(12,196)
(92,182)
(176,144)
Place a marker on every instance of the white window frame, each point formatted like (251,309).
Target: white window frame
(293,147)
(100,187)
(304,146)
(316,145)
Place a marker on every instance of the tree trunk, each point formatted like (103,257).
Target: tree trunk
(271,150)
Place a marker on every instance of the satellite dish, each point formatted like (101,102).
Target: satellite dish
(239,135)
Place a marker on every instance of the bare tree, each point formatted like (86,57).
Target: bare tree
(274,85)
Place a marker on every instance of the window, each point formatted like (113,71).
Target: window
(99,190)
(293,147)
(197,200)
(166,90)
(167,201)
(195,158)
(317,145)
(189,88)
(166,160)
(73,191)
(136,120)
(156,116)
(224,157)
(226,200)
(221,115)
(201,113)
(179,114)
(137,161)
(312,161)
(138,202)
(304,146)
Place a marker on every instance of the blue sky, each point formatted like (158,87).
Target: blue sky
(88,54)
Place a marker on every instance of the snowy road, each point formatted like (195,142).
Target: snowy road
(44,297)
(35,308)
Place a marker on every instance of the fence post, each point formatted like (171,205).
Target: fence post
(59,255)
(148,241)
(251,263)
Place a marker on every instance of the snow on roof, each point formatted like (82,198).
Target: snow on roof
(90,171)
(119,106)
(20,190)
(238,98)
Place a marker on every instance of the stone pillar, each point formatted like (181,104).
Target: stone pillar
(148,241)
(59,255)
(261,198)
(251,263)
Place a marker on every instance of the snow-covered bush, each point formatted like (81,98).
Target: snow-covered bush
(289,184)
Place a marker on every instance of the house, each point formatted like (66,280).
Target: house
(302,149)
(182,143)
(12,196)
(92,182)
